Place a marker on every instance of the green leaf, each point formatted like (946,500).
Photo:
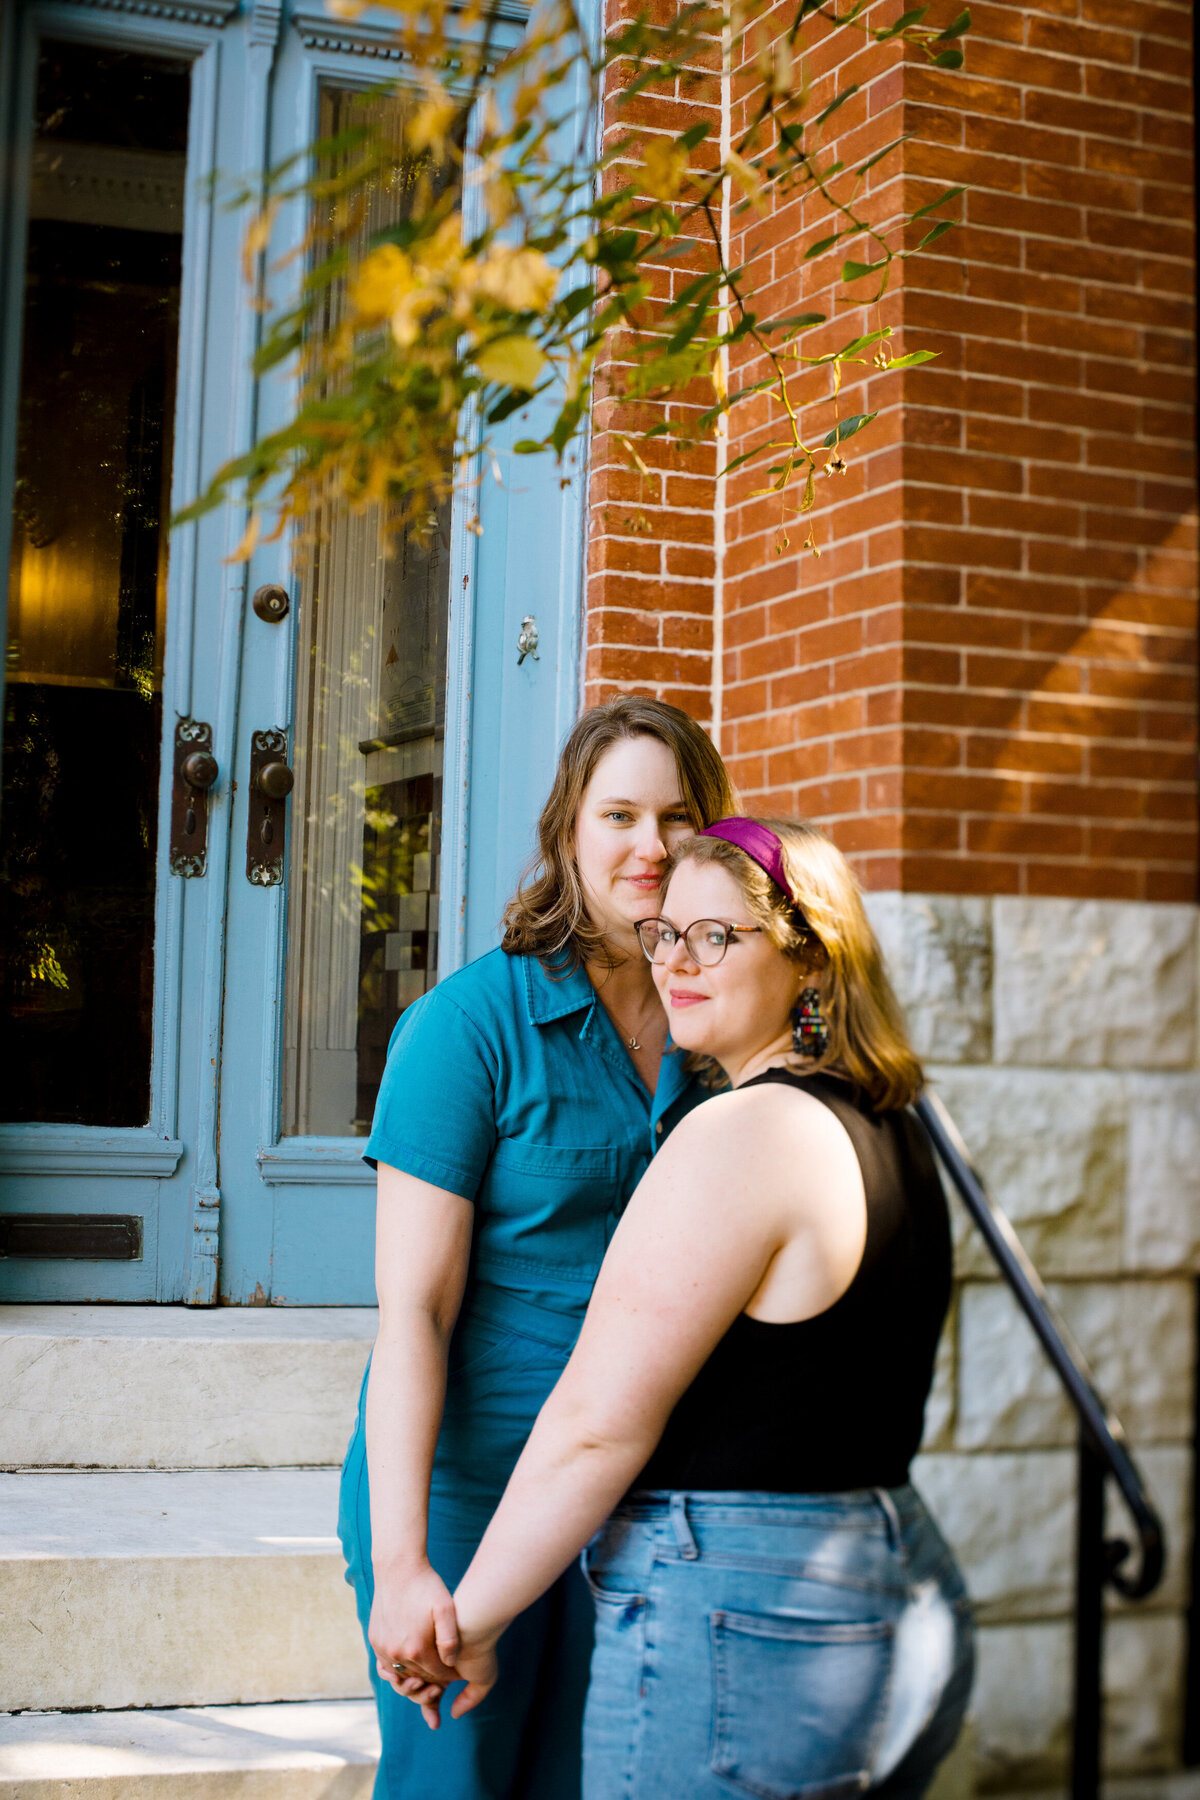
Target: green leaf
(527,447)
(913,17)
(949,59)
(932,205)
(566,424)
(913,358)
(797,322)
(616,247)
(681,338)
(932,235)
(847,429)
(576,301)
(695,134)
(669,252)
(824,244)
(854,271)
(702,286)
(837,101)
(759,450)
(791,135)
(956,28)
(507,403)
(880,154)
(858,343)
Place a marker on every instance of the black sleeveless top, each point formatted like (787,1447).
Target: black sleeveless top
(836,1401)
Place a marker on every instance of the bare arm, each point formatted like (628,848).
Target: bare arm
(423,1242)
(709,1218)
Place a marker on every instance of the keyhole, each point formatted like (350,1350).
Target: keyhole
(189,819)
(268,828)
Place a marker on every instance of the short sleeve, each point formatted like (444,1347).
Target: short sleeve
(435,1117)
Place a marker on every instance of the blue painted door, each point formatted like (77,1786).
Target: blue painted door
(114,316)
(390,684)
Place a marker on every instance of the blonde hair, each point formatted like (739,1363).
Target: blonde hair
(827,928)
(547,917)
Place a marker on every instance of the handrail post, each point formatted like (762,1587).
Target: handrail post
(1091,1574)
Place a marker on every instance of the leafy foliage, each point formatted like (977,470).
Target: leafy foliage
(471,248)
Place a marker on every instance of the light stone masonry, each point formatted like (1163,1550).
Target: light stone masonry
(235,1387)
(1063,1037)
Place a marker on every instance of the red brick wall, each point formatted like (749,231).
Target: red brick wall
(651,551)
(986,682)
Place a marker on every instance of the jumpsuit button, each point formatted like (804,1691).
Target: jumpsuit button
(658,1128)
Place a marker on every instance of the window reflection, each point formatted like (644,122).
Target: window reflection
(366,810)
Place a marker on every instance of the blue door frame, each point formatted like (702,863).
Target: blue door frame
(233,1210)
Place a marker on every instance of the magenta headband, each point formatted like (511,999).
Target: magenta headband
(760,845)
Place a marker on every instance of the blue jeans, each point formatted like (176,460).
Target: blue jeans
(773,1645)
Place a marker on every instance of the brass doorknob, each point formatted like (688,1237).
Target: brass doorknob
(200,769)
(276,780)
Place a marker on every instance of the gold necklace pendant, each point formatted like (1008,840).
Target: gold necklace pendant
(632,1044)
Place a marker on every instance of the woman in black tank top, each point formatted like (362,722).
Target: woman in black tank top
(777,1614)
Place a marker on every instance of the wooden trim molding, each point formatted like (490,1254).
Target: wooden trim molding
(329,1161)
(213,13)
(371,36)
(78,1150)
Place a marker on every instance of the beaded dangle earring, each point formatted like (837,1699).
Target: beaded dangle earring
(810,1030)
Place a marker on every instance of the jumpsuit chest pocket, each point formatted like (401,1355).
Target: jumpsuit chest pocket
(549,1206)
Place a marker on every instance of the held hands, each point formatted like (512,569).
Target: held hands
(413,1624)
(476,1665)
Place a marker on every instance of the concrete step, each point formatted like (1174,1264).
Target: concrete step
(199,1588)
(154,1387)
(316,1750)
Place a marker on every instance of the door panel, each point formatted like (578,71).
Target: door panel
(100,1010)
(400,690)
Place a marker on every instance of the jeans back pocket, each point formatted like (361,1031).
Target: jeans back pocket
(798,1703)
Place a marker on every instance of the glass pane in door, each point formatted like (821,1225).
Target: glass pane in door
(87,585)
(370,725)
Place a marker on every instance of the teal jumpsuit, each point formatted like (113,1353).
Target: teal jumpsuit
(510,1086)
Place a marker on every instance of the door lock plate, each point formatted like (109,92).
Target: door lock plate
(195,771)
(269,786)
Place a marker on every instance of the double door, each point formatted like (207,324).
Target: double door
(251,811)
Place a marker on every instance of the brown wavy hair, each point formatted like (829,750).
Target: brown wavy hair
(827,928)
(547,916)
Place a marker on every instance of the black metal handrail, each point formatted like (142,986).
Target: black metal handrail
(1103,1453)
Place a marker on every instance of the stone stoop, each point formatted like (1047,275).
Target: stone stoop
(174,1620)
(319,1750)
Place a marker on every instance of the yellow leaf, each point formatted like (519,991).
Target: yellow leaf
(746,177)
(430,123)
(522,280)
(256,239)
(665,163)
(249,538)
(383,280)
(510,361)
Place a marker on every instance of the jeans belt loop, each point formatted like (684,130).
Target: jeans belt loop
(685,1542)
(891,1517)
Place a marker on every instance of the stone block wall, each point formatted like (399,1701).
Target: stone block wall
(1065,1039)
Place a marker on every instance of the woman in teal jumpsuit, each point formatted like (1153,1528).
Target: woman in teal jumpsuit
(522,1101)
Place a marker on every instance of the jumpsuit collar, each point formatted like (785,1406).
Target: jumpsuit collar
(550,997)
